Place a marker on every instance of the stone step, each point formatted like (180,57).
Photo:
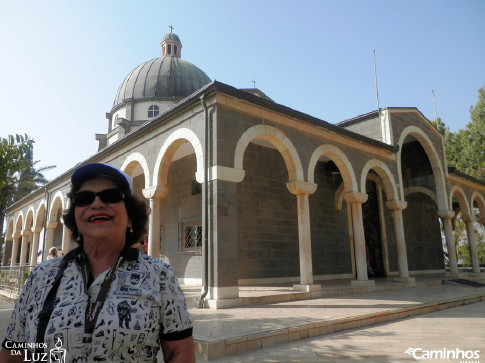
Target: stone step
(210,349)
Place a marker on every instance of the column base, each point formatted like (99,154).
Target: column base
(362,283)
(307,287)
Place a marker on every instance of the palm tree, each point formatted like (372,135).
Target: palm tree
(20,183)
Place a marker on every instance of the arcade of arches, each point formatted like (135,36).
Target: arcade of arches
(245,191)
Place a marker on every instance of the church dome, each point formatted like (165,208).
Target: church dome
(167,77)
(171,36)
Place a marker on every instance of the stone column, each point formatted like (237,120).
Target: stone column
(49,237)
(15,248)
(25,244)
(155,195)
(447,216)
(7,250)
(397,207)
(468,219)
(355,200)
(220,249)
(66,239)
(35,244)
(302,190)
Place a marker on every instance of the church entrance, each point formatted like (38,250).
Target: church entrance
(372,232)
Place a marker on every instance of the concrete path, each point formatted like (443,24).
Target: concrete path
(461,328)
(376,326)
(235,331)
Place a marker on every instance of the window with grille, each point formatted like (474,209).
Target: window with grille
(153,111)
(190,236)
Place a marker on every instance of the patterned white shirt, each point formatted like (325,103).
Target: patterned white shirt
(144,305)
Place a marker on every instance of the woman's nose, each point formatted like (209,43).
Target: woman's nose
(97,202)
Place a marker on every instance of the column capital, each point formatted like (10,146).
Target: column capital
(300,187)
(354,197)
(396,204)
(37,229)
(465,217)
(51,225)
(446,214)
(26,232)
(16,235)
(223,173)
(157,191)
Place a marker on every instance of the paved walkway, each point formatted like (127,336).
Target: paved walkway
(451,329)
(235,331)
(377,326)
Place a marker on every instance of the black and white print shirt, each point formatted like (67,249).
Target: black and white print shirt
(144,306)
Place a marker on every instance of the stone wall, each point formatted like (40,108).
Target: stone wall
(267,218)
(181,205)
(329,227)
(423,236)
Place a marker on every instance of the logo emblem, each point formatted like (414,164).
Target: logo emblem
(57,354)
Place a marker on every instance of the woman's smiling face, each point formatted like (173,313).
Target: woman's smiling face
(100,219)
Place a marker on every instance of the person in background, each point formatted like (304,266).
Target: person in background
(103,301)
(52,253)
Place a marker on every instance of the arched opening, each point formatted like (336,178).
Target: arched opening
(181,211)
(423,235)
(331,247)
(373,230)
(267,217)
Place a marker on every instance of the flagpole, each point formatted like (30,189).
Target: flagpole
(375,79)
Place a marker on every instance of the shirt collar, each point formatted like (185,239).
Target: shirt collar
(129,254)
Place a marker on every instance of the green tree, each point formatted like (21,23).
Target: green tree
(18,173)
(476,145)
(465,149)
(462,245)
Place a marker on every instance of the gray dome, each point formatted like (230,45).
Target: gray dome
(165,77)
(172,36)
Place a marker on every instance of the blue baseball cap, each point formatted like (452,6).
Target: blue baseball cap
(90,171)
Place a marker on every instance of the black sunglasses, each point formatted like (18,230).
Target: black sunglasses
(87,197)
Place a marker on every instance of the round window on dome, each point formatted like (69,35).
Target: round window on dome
(153,111)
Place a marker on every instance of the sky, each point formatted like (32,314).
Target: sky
(62,62)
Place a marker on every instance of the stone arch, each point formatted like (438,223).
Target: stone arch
(10,229)
(40,214)
(57,203)
(478,198)
(19,223)
(458,192)
(167,151)
(132,161)
(29,219)
(342,162)
(17,234)
(388,183)
(339,197)
(27,238)
(421,190)
(438,173)
(279,140)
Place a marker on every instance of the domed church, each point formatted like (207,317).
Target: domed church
(152,88)
(244,191)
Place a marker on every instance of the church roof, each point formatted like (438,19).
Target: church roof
(167,77)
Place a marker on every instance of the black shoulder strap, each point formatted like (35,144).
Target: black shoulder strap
(45,314)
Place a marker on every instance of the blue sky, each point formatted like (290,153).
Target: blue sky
(63,61)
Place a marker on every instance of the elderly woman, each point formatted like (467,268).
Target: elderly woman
(103,301)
